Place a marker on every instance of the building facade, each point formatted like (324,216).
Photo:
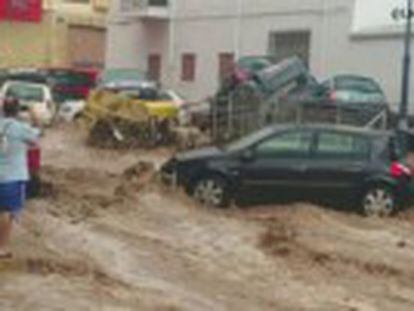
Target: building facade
(186,43)
(70,33)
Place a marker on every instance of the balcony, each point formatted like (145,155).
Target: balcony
(148,9)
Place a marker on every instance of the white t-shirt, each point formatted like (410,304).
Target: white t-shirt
(13,164)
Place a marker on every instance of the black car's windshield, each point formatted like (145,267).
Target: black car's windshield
(249,140)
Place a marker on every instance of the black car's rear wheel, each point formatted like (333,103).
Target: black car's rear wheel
(378,201)
(212,191)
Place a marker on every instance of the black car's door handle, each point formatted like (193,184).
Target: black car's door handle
(353,168)
(300,168)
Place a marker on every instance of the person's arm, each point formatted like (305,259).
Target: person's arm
(30,134)
(34,118)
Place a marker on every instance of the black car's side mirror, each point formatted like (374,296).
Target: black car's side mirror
(247,155)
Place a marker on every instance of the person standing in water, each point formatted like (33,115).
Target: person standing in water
(16,137)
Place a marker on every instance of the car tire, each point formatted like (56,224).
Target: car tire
(212,191)
(378,201)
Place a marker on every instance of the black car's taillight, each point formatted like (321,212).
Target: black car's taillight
(398,170)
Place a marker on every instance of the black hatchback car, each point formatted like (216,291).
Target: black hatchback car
(360,165)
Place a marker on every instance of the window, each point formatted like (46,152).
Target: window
(290,144)
(226,65)
(339,145)
(290,43)
(188,70)
(356,83)
(154,67)
(26,92)
(144,93)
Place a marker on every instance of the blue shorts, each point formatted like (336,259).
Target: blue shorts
(12,197)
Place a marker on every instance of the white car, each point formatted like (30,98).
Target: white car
(33,95)
(71,109)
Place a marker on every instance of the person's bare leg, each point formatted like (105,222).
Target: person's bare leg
(5,233)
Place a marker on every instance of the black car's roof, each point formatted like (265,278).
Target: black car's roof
(336,128)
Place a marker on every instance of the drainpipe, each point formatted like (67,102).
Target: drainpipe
(52,14)
(405,90)
(325,38)
(237,30)
(172,41)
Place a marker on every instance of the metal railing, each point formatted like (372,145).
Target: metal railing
(232,117)
(158,3)
(142,5)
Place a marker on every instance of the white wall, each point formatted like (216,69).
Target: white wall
(208,28)
(124,47)
(376,56)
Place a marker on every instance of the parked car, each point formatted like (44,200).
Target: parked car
(310,161)
(110,77)
(70,84)
(353,89)
(66,83)
(32,94)
(158,103)
(71,109)
(23,74)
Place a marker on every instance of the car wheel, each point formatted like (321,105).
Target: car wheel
(378,201)
(212,191)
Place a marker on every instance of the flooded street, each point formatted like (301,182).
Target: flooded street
(103,238)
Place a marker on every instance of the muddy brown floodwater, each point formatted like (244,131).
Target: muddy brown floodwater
(106,236)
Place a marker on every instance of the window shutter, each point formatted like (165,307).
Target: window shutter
(188,70)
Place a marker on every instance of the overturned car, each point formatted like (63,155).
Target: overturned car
(286,92)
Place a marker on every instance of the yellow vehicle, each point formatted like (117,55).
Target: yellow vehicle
(119,102)
(162,109)
(129,116)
